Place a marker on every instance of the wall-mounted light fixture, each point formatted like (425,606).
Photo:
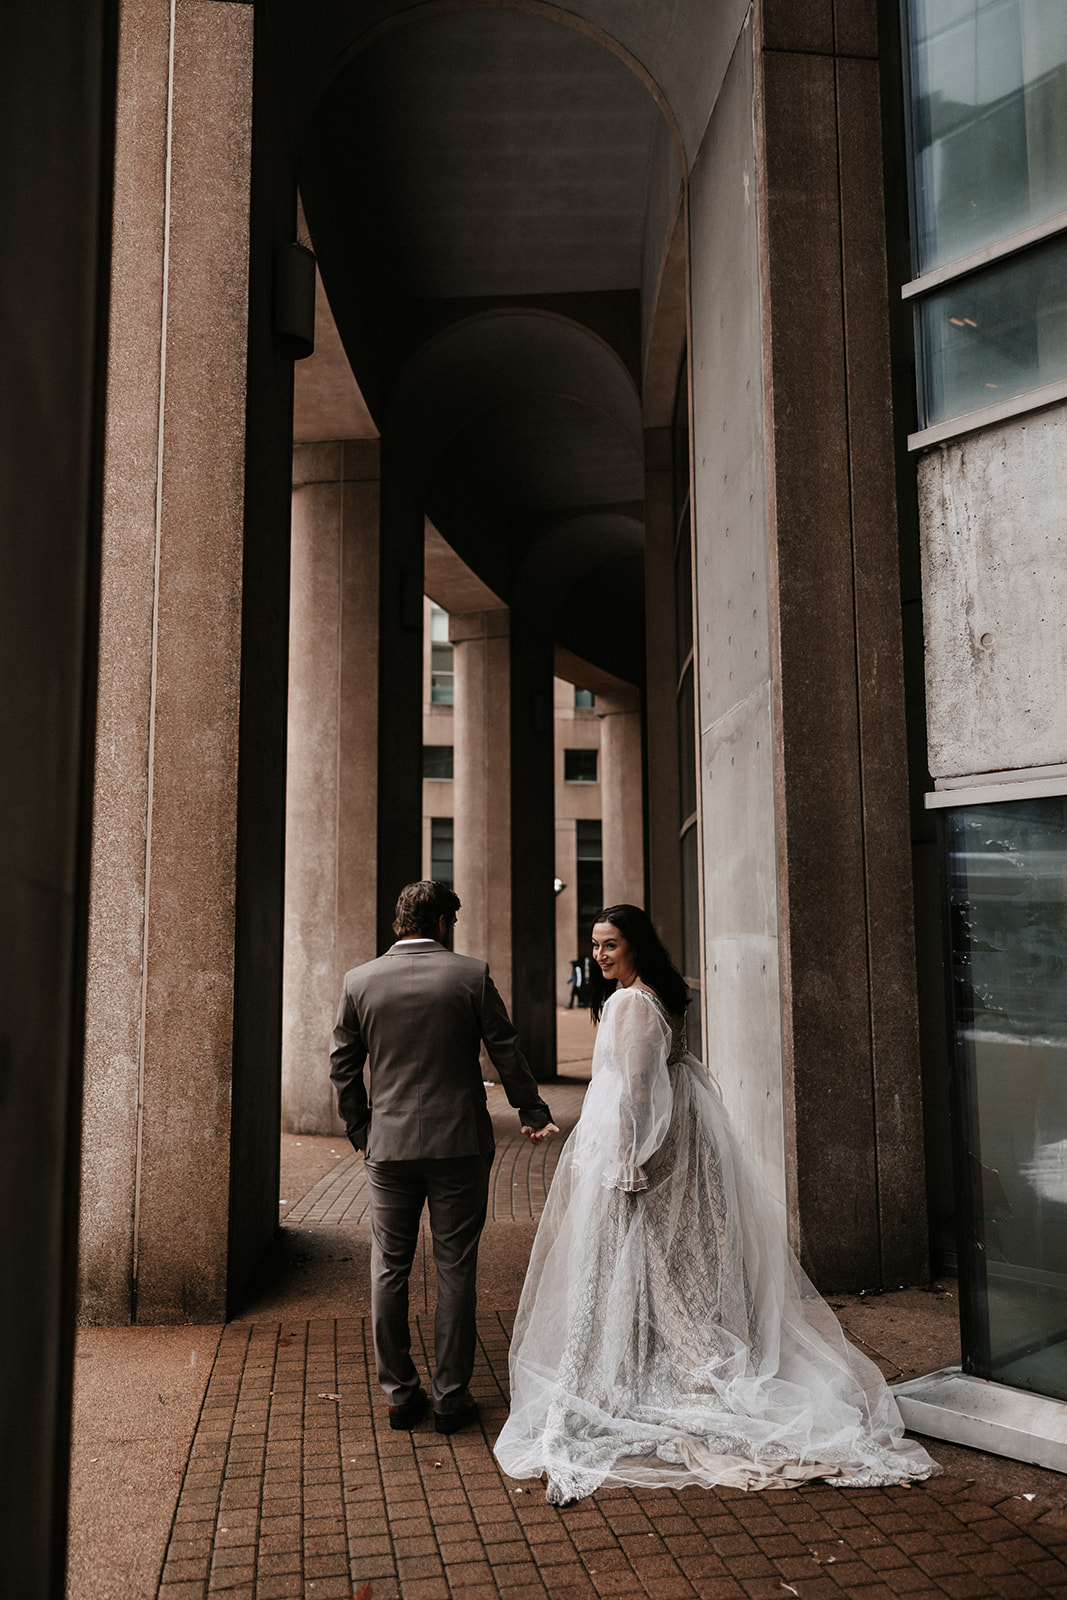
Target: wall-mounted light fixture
(294,300)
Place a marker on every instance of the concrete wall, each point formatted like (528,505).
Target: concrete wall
(731,575)
(577,728)
(533,919)
(56,110)
(619,714)
(993,507)
(401,587)
(481,790)
(260,861)
(331,808)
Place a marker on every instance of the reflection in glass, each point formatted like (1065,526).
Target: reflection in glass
(437,761)
(442,677)
(687,755)
(589,847)
(989,120)
(995,334)
(683,594)
(1007,868)
(690,953)
(442,850)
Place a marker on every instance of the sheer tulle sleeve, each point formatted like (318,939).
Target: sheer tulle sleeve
(669,1337)
(628,1108)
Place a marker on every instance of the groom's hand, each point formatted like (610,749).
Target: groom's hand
(540,1133)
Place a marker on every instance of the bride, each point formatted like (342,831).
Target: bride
(666,1333)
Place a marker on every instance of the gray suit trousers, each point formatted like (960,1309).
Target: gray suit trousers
(456,1189)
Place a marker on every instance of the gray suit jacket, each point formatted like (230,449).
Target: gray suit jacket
(415,1018)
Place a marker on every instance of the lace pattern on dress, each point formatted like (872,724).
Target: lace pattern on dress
(666,1333)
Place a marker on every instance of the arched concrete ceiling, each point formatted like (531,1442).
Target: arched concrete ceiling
(549,452)
(680,47)
(601,542)
(483,367)
(545,418)
(505,151)
(489,188)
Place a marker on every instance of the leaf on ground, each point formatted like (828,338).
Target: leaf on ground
(366,1593)
(329,1397)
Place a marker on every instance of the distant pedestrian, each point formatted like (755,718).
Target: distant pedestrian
(416,1019)
(575,981)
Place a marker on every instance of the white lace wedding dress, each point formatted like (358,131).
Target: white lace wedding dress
(666,1333)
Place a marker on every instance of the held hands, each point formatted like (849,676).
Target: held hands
(535,1134)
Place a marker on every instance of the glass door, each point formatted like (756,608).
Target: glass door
(1007,877)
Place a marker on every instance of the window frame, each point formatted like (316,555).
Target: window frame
(949,272)
(439,778)
(582,750)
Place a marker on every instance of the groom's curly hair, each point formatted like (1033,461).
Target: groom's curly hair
(420,907)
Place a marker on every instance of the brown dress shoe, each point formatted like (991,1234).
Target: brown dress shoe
(410,1412)
(449,1421)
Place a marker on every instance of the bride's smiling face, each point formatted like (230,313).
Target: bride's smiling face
(613,955)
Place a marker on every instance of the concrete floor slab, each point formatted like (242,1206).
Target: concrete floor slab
(137,1399)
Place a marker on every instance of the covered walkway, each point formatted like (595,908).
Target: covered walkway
(254,1460)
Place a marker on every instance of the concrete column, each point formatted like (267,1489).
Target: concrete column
(621,792)
(400,606)
(661,683)
(844,883)
(331,797)
(735,684)
(533,918)
(160,1007)
(482,746)
(808,942)
(567,934)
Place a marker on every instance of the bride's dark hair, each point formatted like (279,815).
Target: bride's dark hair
(654,966)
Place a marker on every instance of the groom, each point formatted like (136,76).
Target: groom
(415,1019)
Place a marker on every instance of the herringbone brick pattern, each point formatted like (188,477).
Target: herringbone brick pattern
(295,1486)
(522,1172)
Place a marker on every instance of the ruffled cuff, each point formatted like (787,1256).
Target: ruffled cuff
(626,1176)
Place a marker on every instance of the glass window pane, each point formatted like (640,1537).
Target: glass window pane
(590,871)
(579,766)
(995,334)
(437,761)
(683,596)
(438,624)
(441,674)
(680,441)
(442,850)
(584,699)
(687,761)
(989,120)
(1008,906)
(690,952)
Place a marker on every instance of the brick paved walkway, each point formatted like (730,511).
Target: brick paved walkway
(295,1486)
(522,1172)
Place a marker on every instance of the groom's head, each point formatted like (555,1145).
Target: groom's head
(426,910)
